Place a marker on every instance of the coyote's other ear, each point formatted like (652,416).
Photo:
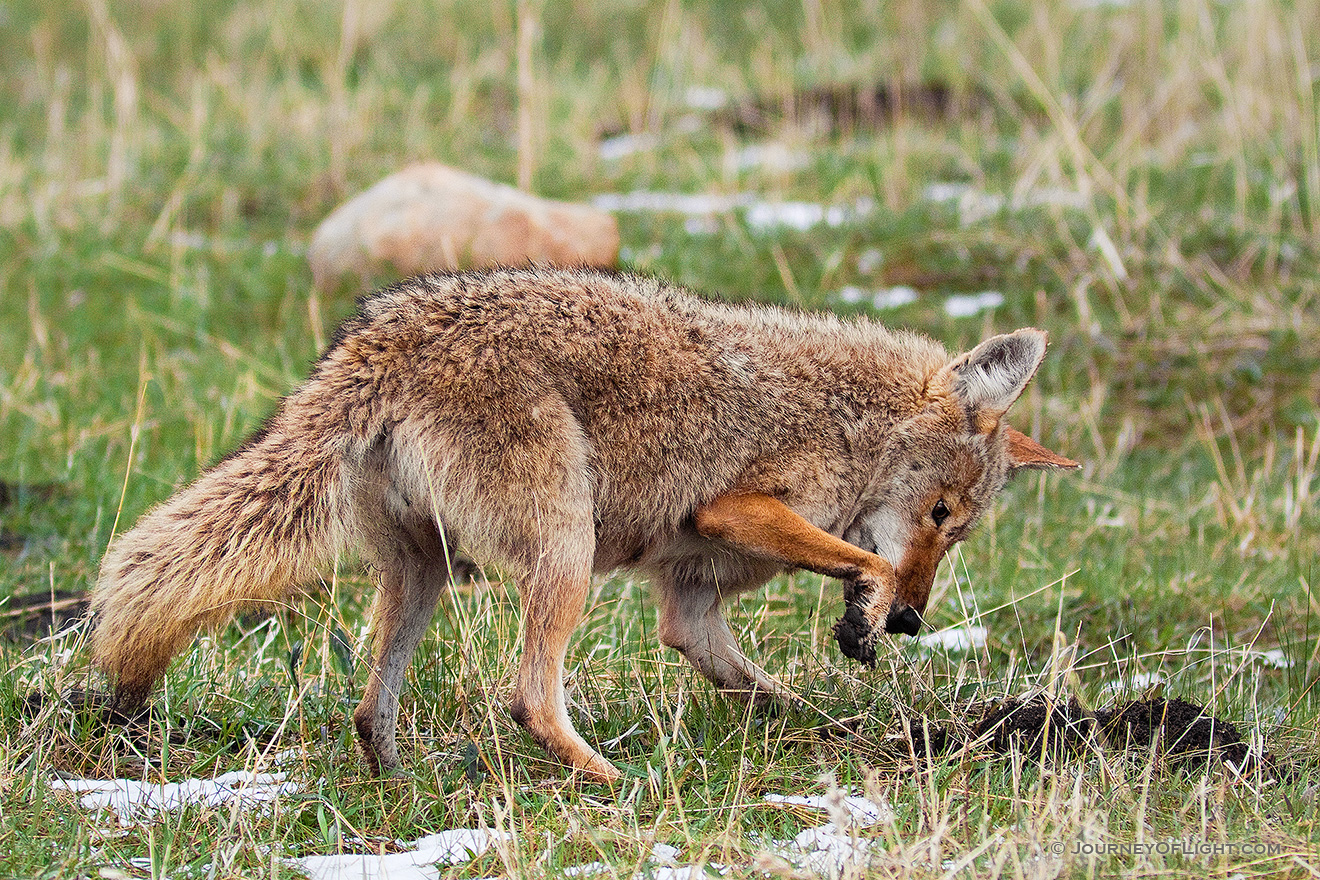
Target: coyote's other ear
(1023,452)
(987,379)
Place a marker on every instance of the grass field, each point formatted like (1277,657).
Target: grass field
(1142,180)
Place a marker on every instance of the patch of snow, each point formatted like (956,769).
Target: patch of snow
(701,225)
(761,215)
(882,299)
(964,305)
(135,801)
(705,97)
(685,872)
(975,205)
(860,810)
(650,201)
(771,156)
(801,216)
(833,848)
(870,260)
(422,861)
(664,853)
(1273,657)
(957,638)
(1137,681)
(624,145)
(824,850)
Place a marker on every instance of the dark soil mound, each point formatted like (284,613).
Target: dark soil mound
(1035,725)
(1176,730)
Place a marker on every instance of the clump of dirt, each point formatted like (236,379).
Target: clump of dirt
(1056,727)
(12,493)
(851,107)
(1178,731)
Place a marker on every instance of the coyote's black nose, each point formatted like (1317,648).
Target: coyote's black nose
(903,619)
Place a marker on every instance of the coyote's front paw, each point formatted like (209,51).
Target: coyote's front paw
(855,636)
(859,628)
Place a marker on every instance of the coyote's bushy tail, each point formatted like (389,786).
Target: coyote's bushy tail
(247,531)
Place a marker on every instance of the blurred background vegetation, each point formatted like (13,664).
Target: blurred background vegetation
(1141,179)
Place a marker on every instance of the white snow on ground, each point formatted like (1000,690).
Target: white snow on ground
(826,850)
(1273,657)
(660,865)
(771,156)
(134,801)
(957,305)
(768,215)
(965,305)
(870,260)
(1138,681)
(975,205)
(957,638)
(762,215)
(621,145)
(705,97)
(835,847)
(859,810)
(642,201)
(882,299)
(421,861)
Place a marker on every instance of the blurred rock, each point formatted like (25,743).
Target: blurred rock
(433,217)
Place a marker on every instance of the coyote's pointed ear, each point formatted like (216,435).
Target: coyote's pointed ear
(1023,452)
(987,379)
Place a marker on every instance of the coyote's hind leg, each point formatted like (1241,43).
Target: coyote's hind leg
(536,520)
(412,560)
(552,607)
(409,591)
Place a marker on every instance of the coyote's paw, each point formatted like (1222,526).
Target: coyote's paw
(855,636)
(860,627)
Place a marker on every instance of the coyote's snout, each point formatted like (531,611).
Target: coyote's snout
(563,422)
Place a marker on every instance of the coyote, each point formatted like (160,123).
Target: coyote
(560,422)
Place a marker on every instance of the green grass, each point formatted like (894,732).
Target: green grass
(162,169)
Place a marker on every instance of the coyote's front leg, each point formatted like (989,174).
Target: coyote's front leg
(692,621)
(762,526)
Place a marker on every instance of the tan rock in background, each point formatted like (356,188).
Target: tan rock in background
(433,217)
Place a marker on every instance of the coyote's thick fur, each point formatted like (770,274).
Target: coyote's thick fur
(563,422)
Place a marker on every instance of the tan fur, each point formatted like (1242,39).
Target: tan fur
(564,422)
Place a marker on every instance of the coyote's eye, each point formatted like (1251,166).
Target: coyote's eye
(940,513)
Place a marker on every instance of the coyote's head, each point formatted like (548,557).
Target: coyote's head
(942,467)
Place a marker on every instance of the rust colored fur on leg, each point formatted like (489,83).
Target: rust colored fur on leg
(760,524)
